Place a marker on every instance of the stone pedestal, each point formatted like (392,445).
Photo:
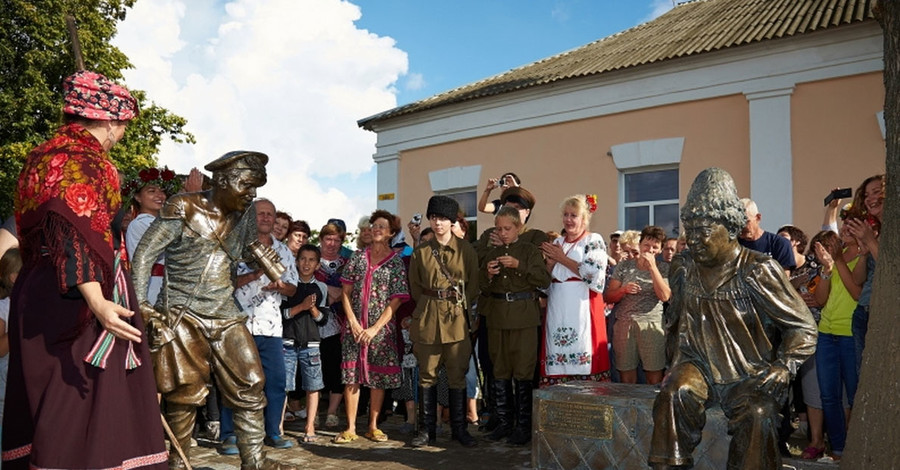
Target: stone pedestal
(593,426)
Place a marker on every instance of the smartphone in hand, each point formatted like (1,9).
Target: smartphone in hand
(843,193)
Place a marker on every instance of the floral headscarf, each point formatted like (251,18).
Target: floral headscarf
(93,96)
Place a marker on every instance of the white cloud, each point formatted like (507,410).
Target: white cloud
(286,77)
(657,9)
(561,12)
(415,81)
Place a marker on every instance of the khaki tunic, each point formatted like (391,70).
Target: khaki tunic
(437,321)
(512,326)
(531,275)
(532,236)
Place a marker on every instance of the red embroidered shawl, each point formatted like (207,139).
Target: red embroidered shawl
(68,194)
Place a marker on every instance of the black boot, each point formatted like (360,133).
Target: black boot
(521,435)
(502,409)
(487,397)
(427,421)
(458,423)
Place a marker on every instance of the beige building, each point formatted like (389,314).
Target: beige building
(786,95)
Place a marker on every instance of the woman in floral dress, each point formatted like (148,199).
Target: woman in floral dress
(575,344)
(81,387)
(375,284)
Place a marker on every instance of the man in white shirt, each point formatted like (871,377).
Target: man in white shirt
(261,299)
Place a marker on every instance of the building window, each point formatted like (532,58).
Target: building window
(460,183)
(468,202)
(651,198)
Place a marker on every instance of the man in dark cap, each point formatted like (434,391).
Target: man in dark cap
(196,328)
(740,332)
(443,280)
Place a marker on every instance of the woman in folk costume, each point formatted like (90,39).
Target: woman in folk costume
(146,192)
(81,388)
(575,344)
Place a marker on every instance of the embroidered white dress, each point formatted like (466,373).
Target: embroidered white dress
(575,329)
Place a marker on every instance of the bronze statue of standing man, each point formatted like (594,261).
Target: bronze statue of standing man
(196,328)
(741,331)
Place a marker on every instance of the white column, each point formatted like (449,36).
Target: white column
(771,179)
(388,171)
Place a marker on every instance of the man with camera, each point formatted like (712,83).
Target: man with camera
(508,180)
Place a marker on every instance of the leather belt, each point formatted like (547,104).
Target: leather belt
(515,296)
(442,294)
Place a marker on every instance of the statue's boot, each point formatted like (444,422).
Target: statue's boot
(250,431)
(458,422)
(181,421)
(427,421)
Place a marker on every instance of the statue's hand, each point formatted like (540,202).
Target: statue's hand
(147,311)
(158,331)
(775,382)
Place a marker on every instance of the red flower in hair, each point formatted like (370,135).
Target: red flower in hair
(165,178)
(591,200)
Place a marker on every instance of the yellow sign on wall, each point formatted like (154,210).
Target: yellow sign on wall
(386,197)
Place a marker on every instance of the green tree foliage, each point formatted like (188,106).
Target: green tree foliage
(36,55)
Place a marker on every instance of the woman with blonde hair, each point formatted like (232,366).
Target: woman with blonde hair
(575,344)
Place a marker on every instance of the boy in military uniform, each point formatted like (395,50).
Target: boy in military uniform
(443,280)
(510,275)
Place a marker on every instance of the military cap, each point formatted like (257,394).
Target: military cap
(518,195)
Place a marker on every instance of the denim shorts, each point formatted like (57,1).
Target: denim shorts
(310,363)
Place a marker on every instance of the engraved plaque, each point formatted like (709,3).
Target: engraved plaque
(576,419)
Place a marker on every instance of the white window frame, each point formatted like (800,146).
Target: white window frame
(643,156)
(473,190)
(457,180)
(649,204)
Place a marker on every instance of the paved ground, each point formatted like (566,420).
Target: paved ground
(396,454)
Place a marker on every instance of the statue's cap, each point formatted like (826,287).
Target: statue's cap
(239,160)
(713,195)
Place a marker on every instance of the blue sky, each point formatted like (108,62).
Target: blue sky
(292,77)
(458,42)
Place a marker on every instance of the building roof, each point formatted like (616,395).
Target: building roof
(691,28)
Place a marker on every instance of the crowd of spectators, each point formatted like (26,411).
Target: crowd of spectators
(390,325)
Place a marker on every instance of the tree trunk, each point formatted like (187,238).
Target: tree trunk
(874,438)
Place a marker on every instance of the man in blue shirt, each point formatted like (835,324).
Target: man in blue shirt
(755,238)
